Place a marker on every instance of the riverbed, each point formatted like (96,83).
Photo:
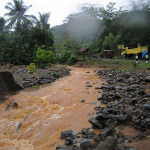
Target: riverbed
(44,113)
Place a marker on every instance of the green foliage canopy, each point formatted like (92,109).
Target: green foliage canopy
(43,58)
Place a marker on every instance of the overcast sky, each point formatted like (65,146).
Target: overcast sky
(59,9)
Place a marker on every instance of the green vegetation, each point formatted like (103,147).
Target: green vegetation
(31,68)
(43,58)
(35,87)
(124,65)
(22,34)
(97,28)
(56,75)
(100,28)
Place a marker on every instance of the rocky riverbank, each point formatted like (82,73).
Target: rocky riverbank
(126,103)
(15,78)
(41,76)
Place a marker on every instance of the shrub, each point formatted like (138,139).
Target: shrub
(72,60)
(65,55)
(56,75)
(43,58)
(31,68)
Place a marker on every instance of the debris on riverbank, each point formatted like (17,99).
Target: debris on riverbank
(41,76)
(126,97)
(17,77)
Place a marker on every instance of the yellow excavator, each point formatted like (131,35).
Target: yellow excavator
(127,52)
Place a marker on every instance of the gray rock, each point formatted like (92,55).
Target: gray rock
(88,85)
(147,95)
(101,117)
(148,79)
(61,148)
(85,144)
(105,133)
(146,107)
(109,144)
(105,95)
(135,86)
(96,123)
(121,147)
(121,119)
(66,134)
(118,88)
(12,104)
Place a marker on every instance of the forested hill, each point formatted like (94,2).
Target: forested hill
(104,28)
(25,39)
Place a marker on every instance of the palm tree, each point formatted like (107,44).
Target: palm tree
(43,21)
(17,15)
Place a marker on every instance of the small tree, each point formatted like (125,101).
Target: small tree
(111,42)
(43,58)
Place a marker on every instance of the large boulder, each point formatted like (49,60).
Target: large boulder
(7,85)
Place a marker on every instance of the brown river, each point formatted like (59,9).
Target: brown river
(44,113)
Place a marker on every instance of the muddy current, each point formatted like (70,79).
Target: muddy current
(43,114)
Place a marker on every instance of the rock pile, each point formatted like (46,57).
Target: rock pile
(42,76)
(127,99)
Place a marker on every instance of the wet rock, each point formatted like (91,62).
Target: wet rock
(65,134)
(148,79)
(120,140)
(146,107)
(61,148)
(85,145)
(147,120)
(147,95)
(105,95)
(84,130)
(94,142)
(135,86)
(108,144)
(118,88)
(69,141)
(105,133)
(118,95)
(90,131)
(12,104)
(88,85)
(131,148)
(110,110)
(82,101)
(101,117)
(99,98)
(135,112)
(97,87)
(134,101)
(96,123)
(121,147)
(93,103)
(90,114)
(110,98)
(127,75)
(121,118)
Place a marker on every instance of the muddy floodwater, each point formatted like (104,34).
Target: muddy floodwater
(42,114)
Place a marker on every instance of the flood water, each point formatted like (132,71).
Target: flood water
(46,112)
